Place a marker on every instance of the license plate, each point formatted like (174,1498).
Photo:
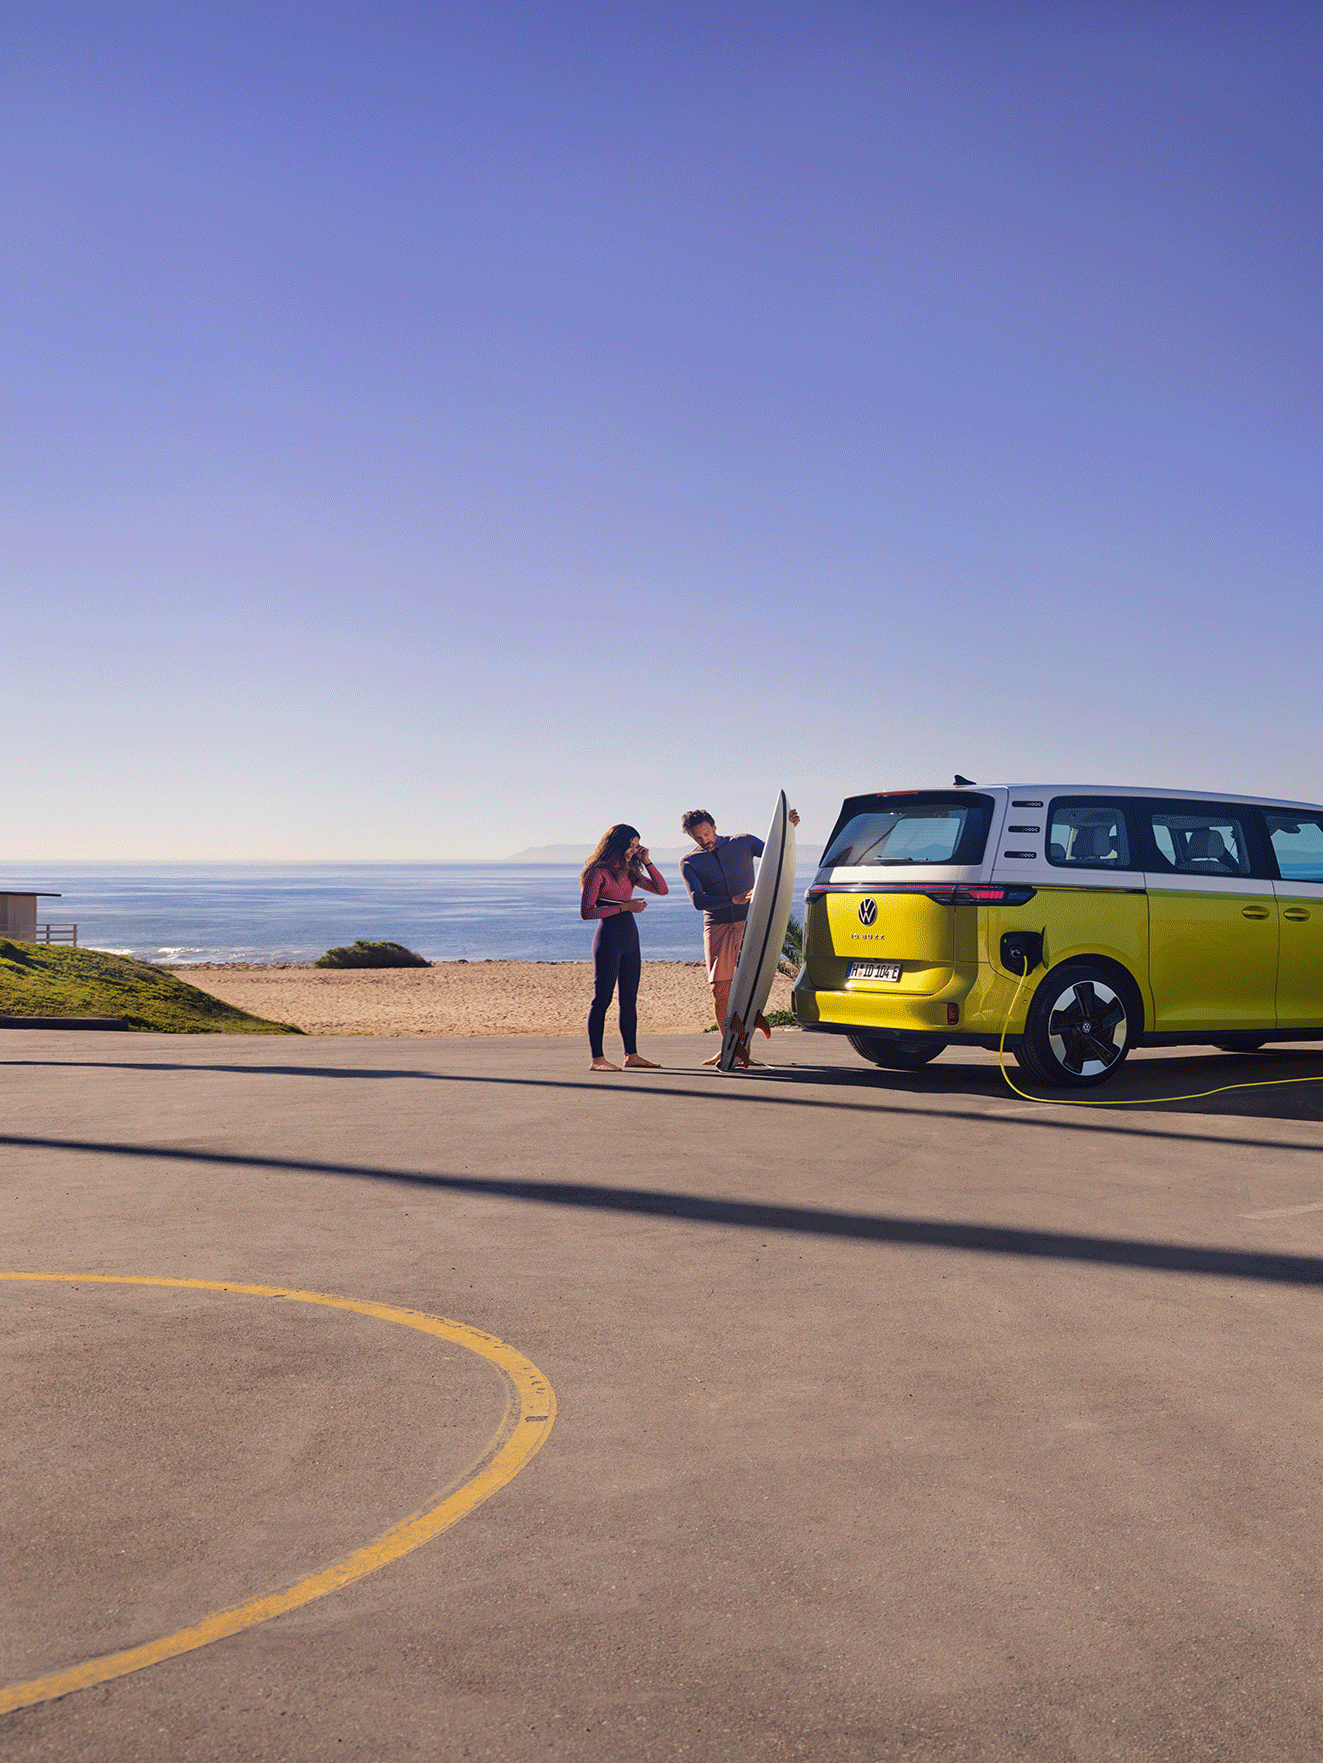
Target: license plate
(875,970)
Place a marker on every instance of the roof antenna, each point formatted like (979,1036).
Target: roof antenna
(964,782)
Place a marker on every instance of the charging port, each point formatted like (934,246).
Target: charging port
(1021,951)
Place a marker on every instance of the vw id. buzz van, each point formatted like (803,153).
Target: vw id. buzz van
(1133,917)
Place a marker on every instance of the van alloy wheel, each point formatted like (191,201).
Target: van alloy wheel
(1086,1028)
(1080,1027)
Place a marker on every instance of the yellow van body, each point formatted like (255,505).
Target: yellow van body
(1163,916)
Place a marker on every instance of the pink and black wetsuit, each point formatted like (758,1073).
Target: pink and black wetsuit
(616,956)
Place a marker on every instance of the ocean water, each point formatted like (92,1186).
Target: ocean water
(186,912)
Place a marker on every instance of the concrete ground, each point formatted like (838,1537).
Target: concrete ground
(898,1418)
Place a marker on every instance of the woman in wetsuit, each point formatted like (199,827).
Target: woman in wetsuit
(609,878)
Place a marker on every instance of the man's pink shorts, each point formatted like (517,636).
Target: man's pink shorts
(721,945)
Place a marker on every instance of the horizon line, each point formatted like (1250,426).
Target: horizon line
(239,862)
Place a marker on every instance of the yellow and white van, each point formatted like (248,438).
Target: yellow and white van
(1144,917)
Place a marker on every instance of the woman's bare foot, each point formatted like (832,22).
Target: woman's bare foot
(603,1065)
(714,1060)
(638,1059)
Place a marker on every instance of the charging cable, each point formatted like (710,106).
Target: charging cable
(1270,1083)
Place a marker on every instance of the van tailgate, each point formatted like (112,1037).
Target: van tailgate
(906,929)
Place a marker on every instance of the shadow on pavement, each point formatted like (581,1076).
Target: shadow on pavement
(874,1092)
(1148,1084)
(1145,1084)
(918,1233)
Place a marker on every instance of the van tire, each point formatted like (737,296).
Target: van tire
(896,1055)
(1054,1051)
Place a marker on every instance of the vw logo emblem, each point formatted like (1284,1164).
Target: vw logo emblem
(868,912)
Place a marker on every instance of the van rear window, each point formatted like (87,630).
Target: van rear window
(879,831)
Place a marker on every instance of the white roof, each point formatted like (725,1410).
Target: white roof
(1046,790)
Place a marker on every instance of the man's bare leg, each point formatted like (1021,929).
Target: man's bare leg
(720,1004)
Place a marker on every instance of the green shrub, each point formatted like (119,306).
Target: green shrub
(792,950)
(361,954)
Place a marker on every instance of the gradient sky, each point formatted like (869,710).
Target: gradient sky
(435,429)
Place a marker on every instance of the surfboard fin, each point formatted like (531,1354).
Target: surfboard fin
(741,1040)
(762,1023)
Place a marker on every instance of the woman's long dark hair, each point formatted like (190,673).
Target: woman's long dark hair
(609,853)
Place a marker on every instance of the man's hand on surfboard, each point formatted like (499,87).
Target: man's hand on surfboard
(741,899)
(792,815)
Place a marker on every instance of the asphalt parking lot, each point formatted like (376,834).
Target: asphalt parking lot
(896,1417)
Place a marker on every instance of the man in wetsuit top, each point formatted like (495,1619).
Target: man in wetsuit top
(718,873)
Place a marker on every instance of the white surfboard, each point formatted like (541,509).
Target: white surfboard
(764,937)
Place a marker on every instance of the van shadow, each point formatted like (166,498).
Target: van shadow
(1152,1081)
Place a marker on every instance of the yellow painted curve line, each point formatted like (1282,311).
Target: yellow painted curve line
(528,1420)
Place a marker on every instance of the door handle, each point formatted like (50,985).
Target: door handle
(1296,914)
(1255,912)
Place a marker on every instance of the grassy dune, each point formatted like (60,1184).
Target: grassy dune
(40,981)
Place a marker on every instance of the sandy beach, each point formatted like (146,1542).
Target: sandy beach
(461,997)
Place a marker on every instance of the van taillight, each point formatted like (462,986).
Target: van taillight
(990,896)
(944,893)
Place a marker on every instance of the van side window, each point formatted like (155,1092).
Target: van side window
(1297,842)
(1203,842)
(1086,833)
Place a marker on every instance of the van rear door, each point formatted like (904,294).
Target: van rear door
(886,938)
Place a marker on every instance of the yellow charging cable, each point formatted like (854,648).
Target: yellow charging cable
(1270,1083)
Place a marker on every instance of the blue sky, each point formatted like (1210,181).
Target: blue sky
(435,430)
